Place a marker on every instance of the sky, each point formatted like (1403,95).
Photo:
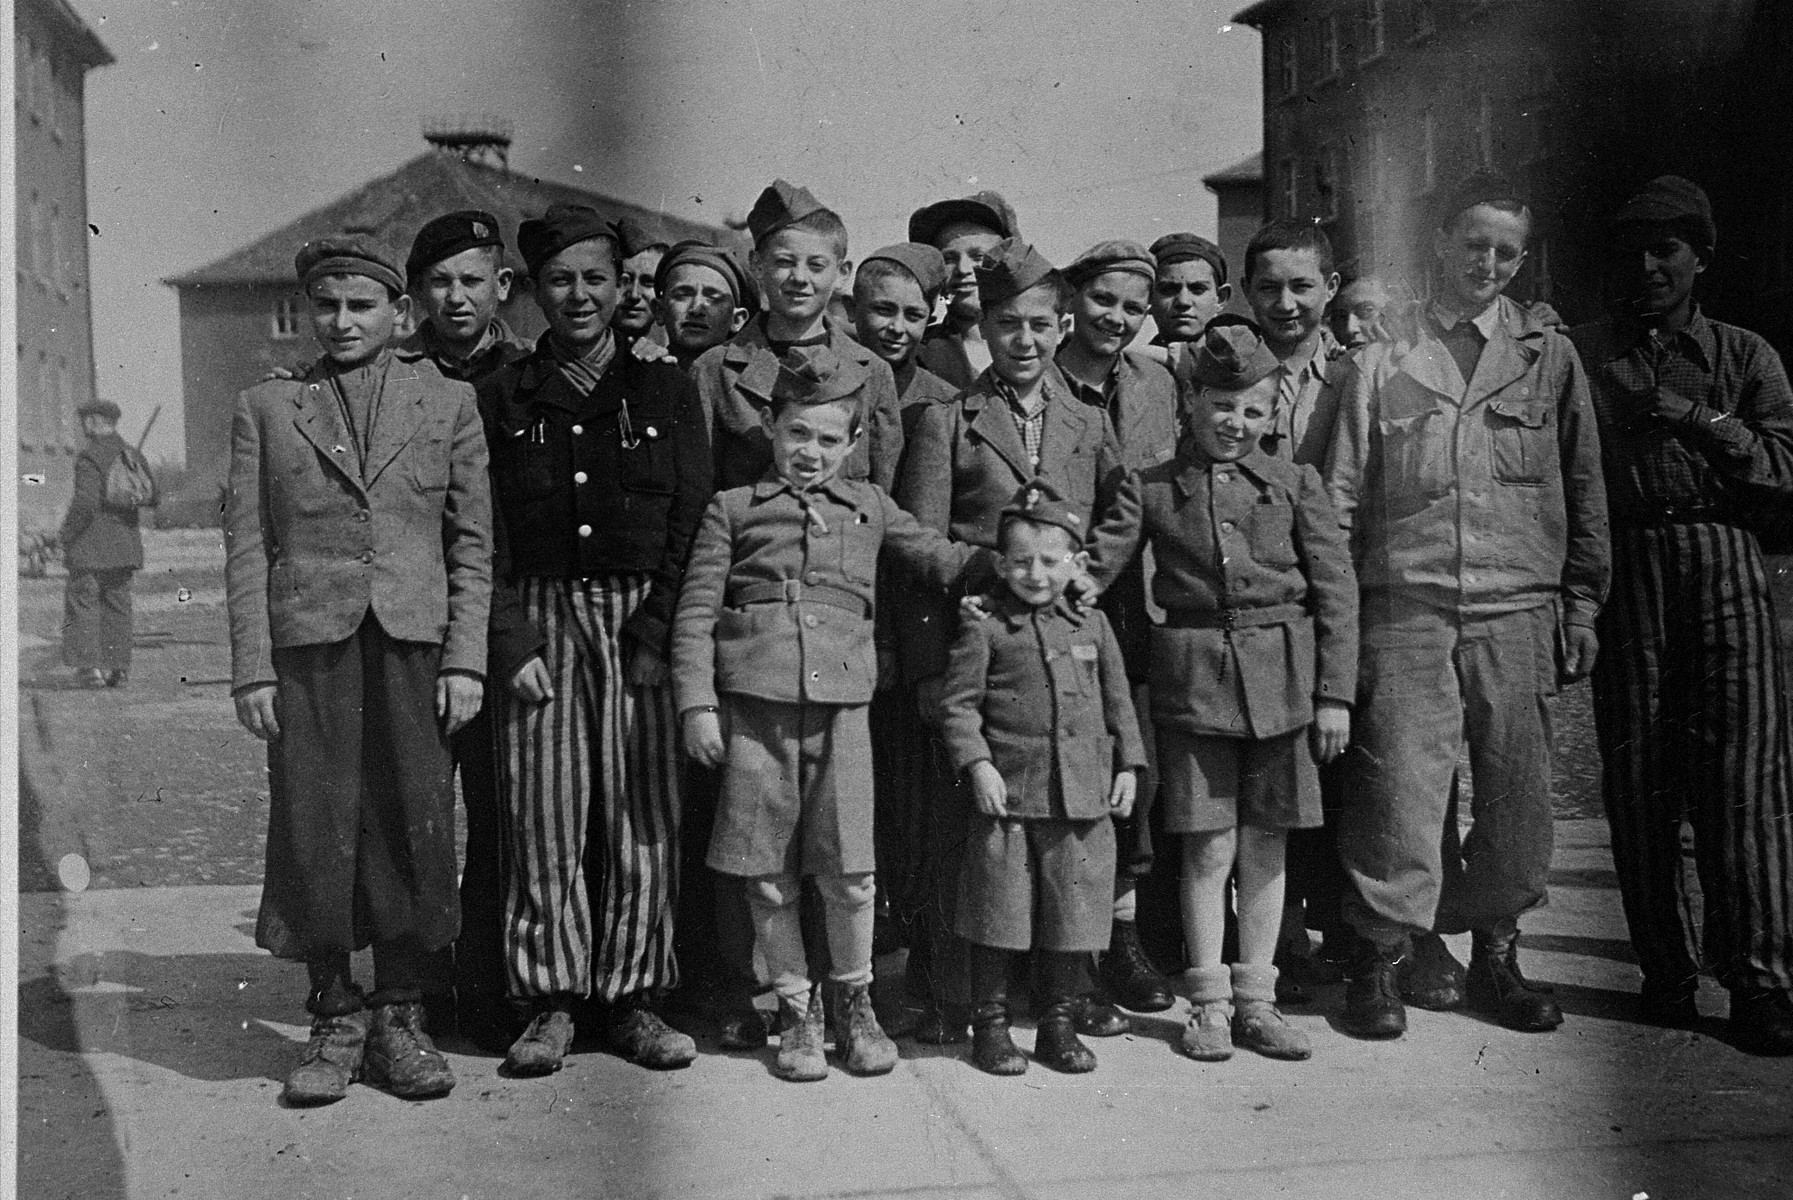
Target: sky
(222,121)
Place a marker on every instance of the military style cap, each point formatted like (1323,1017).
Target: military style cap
(1118,254)
(920,260)
(633,236)
(451,234)
(1479,187)
(718,260)
(1181,247)
(1010,268)
(349,254)
(1672,198)
(541,238)
(780,206)
(99,408)
(1232,354)
(818,376)
(987,209)
(1038,501)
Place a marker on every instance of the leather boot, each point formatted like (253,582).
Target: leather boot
(992,1049)
(1373,1006)
(858,1036)
(1431,977)
(1495,985)
(1056,1043)
(541,1048)
(801,1057)
(332,1059)
(401,1059)
(637,1033)
(1128,975)
(1762,1021)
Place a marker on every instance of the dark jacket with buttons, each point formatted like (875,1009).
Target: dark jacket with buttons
(96,536)
(1255,538)
(612,483)
(1041,693)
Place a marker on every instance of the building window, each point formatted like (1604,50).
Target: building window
(1286,77)
(1428,151)
(1425,19)
(1288,188)
(59,272)
(1329,46)
(285,324)
(1375,29)
(26,66)
(47,99)
(1484,131)
(1326,181)
(38,244)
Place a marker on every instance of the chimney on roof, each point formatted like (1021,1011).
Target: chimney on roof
(482,138)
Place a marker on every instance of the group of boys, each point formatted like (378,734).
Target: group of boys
(910,520)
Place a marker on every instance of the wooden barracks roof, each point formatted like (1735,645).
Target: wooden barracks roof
(1246,170)
(465,167)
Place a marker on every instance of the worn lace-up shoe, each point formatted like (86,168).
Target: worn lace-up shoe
(401,1059)
(542,1048)
(331,1062)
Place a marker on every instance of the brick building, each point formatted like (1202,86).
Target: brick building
(1372,106)
(1239,189)
(53,51)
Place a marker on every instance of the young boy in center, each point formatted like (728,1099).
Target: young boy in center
(1258,642)
(774,666)
(1038,719)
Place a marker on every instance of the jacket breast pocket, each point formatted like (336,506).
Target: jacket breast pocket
(645,459)
(429,462)
(1416,453)
(859,545)
(1523,440)
(1272,534)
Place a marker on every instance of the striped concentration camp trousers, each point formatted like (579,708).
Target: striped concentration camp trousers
(1692,715)
(589,781)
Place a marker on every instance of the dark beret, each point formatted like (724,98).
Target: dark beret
(1038,501)
(541,238)
(1118,254)
(1672,198)
(919,259)
(1232,354)
(1181,247)
(99,408)
(718,260)
(349,254)
(1478,187)
(780,206)
(634,236)
(1010,268)
(818,376)
(451,234)
(987,209)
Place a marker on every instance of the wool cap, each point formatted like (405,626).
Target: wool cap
(1038,501)
(780,206)
(349,254)
(817,376)
(1010,268)
(99,408)
(1478,187)
(1672,198)
(987,209)
(1232,354)
(703,254)
(451,234)
(1181,247)
(1117,254)
(541,238)
(634,236)
(919,259)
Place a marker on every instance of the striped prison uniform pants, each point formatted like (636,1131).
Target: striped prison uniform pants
(1691,711)
(589,782)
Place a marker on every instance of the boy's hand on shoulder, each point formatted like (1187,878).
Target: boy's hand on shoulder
(256,711)
(645,669)
(279,373)
(645,349)
(531,682)
(1123,792)
(988,789)
(703,737)
(974,607)
(458,697)
(1331,730)
(1083,591)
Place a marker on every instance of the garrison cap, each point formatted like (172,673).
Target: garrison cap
(1672,198)
(634,236)
(1181,247)
(99,408)
(1232,354)
(541,238)
(780,206)
(451,234)
(349,254)
(703,254)
(919,259)
(1118,254)
(987,209)
(819,376)
(1038,501)
(1010,268)
(1478,187)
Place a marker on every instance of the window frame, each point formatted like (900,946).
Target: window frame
(286,322)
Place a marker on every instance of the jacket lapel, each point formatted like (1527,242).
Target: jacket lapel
(1430,365)
(1065,422)
(1508,355)
(990,422)
(320,423)
(401,415)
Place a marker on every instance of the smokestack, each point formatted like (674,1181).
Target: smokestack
(481,138)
